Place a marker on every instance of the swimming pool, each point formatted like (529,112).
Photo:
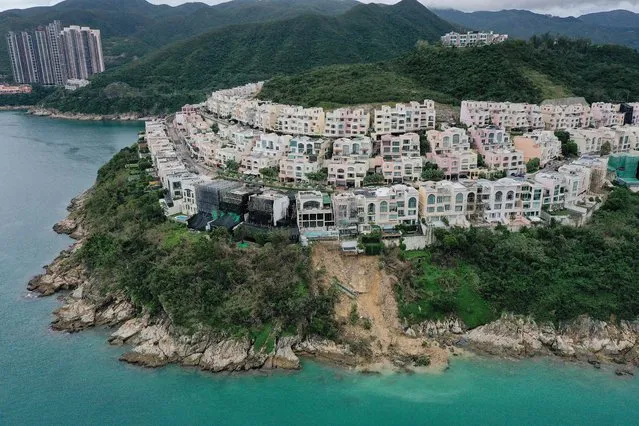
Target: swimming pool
(181,218)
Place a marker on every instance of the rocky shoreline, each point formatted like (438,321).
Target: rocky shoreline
(15,107)
(155,342)
(518,337)
(52,113)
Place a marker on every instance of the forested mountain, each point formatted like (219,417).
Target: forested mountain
(132,28)
(234,55)
(512,71)
(612,19)
(615,27)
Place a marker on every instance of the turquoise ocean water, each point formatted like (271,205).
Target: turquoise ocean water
(55,378)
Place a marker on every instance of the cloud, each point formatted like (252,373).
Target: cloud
(555,7)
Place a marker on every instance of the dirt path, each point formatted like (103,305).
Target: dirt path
(376,302)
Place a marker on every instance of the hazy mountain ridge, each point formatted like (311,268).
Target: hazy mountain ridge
(613,27)
(133,28)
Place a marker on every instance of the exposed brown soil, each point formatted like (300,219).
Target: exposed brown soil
(376,302)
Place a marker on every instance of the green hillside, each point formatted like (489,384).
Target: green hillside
(133,28)
(613,27)
(514,71)
(184,71)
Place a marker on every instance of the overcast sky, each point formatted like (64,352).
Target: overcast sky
(555,7)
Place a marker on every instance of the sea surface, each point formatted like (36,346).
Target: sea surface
(48,377)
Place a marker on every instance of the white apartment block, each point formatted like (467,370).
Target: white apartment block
(635,112)
(598,167)
(578,181)
(403,118)
(445,201)
(245,111)
(564,114)
(507,200)
(531,196)
(272,145)
(360,146)
(243,140)
(314,211)
(403,169)
(295,120)
(509,161)
(388,207)
(486,139)
(307,146)
(621,139)
(266,117)
(347,172)
(347,122)
(295,167)
(405,145)
(501,114)
(224,155)
(556,187)
(222,103)
(252,164)
(541,144)
(518,116)
(472,38)
(450,149)
(384,207)
(607,114)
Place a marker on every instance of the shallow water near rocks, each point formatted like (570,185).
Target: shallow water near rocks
(56,378)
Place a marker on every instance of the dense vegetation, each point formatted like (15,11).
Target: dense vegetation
(613,27)
(239,54)
(555,273)
(513,71)
(196,279)
(26,99)
(132,28)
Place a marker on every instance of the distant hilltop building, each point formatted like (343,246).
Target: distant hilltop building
(52,54)
(472,38)
(14,90)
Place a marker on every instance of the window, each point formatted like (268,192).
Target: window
(499,196)
(459,198)
(371,208)
(383,207)
(412,203)
(431,199)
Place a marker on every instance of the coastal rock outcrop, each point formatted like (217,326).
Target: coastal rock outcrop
(62,274)
(440,327)
(583,339)
(80,311)
(53,113)
(326,350)
(160,344)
